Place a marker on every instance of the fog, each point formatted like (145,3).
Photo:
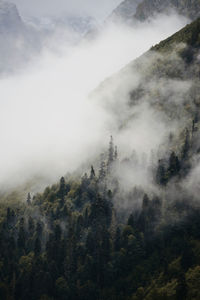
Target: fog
(51,122)
(38,8)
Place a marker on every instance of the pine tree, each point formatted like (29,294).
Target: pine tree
(110,154)
(21,241)
(102,171)
(37,246)
(161,175)
(116,153)
(28,199)
(131,221)
(92,173)
(117,241)
(145,202)
(174,165)
(186,146)
(61,192)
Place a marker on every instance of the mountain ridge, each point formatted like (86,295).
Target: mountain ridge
(132,11)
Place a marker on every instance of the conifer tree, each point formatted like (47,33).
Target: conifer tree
(186,146)
(62,189)
(174,164)
(116,153)
(28,199)
(161,177)
(92,173)
(102,171)
(111,154)
(37,246)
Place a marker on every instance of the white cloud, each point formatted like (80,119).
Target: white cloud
(48,125)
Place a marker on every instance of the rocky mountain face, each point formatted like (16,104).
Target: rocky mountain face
(23,39)
(187,8)
(145,9)
(9,18)
(125,10)
(18,40)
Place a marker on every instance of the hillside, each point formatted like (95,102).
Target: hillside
(92,237)
(187,8)
(142,10)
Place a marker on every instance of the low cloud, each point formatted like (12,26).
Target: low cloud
(48,123)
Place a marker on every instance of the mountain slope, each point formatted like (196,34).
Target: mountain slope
(90,237)
(165,82)
(125,10)
(145,9)
(187,8)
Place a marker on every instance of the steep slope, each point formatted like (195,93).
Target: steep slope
(145,9)
(187,8)
(125,10)
(163,83)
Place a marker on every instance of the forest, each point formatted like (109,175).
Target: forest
(100,233)
(71,241)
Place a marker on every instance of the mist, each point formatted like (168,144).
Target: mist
(51,121)
(61,7)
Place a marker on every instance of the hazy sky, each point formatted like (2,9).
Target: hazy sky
(98,9)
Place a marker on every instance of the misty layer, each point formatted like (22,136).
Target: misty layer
(47,123)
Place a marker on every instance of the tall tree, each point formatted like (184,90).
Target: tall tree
(62,189)
(28,199)
(102,170)
(111,153)
(92,173)
(186,145)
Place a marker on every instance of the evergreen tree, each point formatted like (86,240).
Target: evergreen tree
(111,151)
(31,225)
(21,241)
(117,242)
(102,171)
(186,146)
(111,154)
(92,173)
(37,246)
(161,174)
(28,199)
(61,192)
(131,221)
(174,165)
(116,153)
(145,202)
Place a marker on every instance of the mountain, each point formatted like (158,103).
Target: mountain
(23,39)
(125,10)
(89,236)
(187,8)
(19,41)
(75,23)
(142,10)
(9,18)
